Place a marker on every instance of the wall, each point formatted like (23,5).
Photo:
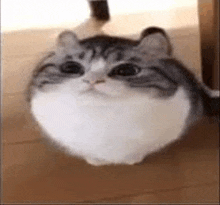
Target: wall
(27,14)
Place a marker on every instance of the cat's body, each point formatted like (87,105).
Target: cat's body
(113,101)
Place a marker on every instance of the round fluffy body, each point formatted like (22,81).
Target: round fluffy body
(111,100)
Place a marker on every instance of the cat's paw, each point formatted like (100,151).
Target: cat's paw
(129,161)
(96,162)
(134,160)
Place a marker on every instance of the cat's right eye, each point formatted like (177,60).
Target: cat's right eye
(125,70)
(72,67)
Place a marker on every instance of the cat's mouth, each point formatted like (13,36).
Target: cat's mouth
(93,91)
(102,90)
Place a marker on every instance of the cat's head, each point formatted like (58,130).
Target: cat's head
(106,66)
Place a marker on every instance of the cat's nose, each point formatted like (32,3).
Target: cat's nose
(94,78)
(92,82)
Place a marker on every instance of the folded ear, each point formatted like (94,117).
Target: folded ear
(155,39)
(67,39)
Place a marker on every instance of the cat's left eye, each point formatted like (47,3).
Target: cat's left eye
(125,70)
(71,67)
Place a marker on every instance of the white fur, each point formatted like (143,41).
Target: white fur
(98,64)
(109,123)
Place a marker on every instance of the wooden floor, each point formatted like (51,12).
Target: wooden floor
(35,172)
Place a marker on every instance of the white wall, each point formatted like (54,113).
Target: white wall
(26,14)
(137,6)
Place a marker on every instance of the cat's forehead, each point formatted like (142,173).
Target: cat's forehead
(108,47)
(108,41)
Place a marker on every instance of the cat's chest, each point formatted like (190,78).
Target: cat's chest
(66,118)
(84,118)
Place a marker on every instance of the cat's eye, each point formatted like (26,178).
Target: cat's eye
(125,70)
(71,67)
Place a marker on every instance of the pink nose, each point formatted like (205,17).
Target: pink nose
(94,78)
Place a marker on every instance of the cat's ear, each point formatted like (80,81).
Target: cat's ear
(67,39)
(155,39)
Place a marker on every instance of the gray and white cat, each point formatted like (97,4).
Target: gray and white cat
(112,100)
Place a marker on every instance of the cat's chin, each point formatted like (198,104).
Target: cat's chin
(94,92)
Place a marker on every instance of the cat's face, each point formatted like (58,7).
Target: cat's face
(106,67)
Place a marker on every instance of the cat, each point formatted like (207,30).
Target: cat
(112,100)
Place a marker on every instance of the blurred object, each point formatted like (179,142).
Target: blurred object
(209,28)
(216,73)
(99,9)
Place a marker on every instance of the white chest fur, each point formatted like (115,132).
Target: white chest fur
(119,131)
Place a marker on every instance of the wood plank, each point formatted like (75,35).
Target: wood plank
(173,174)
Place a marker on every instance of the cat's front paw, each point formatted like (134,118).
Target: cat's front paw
(96,162)
(136,159)
(132,160)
